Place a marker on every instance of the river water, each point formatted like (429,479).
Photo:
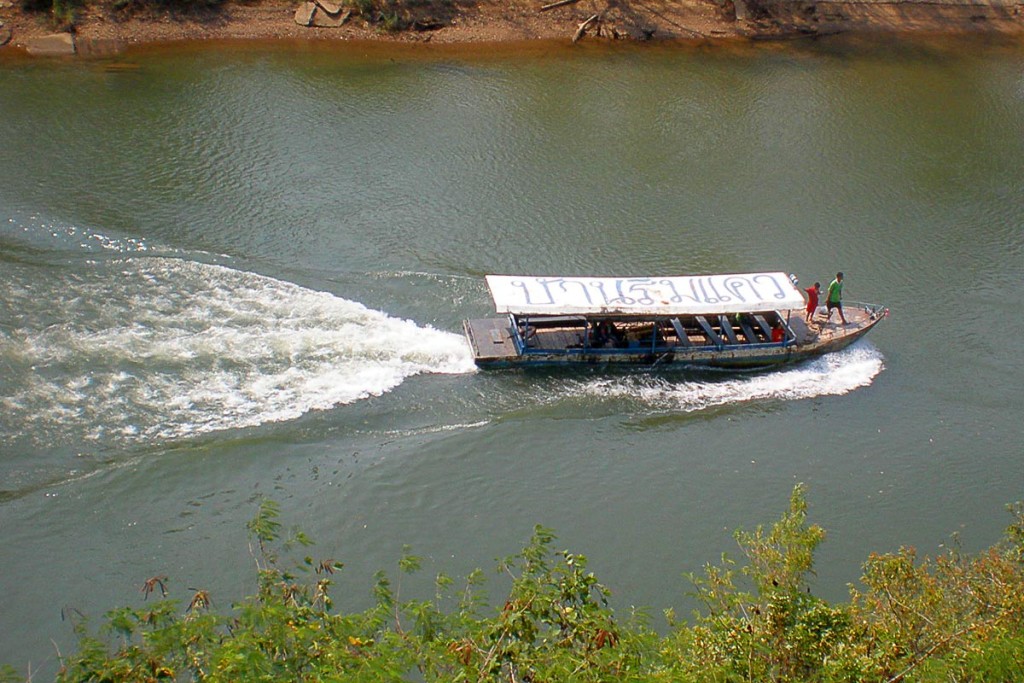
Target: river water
(229,271)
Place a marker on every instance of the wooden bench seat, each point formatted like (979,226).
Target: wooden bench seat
(726,326)
(709,331)
(684,338)
(748,332)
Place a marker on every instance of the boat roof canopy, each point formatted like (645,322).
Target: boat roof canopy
(654,296)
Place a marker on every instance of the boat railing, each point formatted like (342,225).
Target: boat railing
(873,310)
(525,328)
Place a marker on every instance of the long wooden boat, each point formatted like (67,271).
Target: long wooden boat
(746,321)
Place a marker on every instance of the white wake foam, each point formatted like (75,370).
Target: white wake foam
(166,348)
(833,374)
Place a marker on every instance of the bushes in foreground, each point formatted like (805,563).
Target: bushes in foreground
(954,617)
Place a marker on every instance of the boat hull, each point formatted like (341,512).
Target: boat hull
(496,345)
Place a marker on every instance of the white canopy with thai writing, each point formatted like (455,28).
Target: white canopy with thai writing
(669,296)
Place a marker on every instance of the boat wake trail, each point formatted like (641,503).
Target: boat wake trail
(145,348)
(832,374)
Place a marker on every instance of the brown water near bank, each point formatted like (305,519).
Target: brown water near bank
(100,30)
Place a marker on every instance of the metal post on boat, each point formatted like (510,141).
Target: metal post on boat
(520,338)
(795,281)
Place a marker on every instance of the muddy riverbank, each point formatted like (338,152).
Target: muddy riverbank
(99,28)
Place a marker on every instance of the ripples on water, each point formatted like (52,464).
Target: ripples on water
(233,268)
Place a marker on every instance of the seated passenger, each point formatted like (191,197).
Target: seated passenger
(604,332)
(778,334)
(617,336)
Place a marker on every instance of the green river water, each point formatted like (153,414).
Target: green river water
(229,271)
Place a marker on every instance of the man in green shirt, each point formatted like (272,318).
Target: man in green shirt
(835,297)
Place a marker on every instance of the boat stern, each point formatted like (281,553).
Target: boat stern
(491,341)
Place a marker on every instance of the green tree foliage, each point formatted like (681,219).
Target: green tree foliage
(947,618)
(950,618)
(769,627)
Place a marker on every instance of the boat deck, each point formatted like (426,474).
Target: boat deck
(490,339)
(820,331)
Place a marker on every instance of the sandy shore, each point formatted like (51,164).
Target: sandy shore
(99,29)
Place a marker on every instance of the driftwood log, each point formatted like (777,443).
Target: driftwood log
(582,29)
(560,3)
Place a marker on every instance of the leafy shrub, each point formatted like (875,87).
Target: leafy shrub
(63,12)
(951,618)
(398,15)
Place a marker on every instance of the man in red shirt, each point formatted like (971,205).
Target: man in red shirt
(812,300)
